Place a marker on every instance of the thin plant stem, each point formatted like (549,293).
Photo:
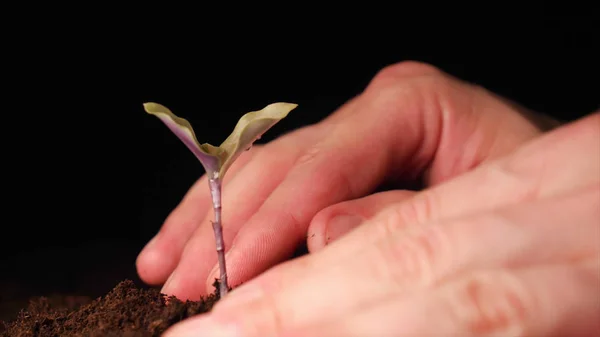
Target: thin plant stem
(215,191)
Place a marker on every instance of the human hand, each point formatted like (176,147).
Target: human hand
(511,248)
(411,121)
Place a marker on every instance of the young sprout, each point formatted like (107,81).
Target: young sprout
(217,160)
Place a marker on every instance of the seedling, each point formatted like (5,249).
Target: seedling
(217,160)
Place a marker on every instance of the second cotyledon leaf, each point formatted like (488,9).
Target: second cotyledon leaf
(217,159)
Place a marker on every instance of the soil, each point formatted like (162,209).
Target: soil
(126,311)
(73,294)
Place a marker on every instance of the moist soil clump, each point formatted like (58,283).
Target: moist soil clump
(126,311)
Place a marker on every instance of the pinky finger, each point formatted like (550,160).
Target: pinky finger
(545,301)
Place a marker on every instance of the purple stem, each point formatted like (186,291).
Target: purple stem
(215,191)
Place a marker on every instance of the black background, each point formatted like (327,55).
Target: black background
(89,176)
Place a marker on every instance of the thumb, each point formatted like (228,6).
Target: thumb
(334,221)
(534,171)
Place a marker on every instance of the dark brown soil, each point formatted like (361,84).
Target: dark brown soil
(126,311)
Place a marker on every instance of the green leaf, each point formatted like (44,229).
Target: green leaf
(250,128)
(217,160)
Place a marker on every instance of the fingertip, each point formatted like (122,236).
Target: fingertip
(174,286)
(154,265)
(184,286)
(315,237)
(188,278)
(331,224)
(318,235)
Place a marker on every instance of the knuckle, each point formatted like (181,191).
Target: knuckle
(262,315)
(321,158)
(405,76)
(271,319)
(310,154)
(406,70)
(492,303)
(421,208)
(390,92)
(344,179)
(415,212)
(316,149)
(524,183)
(417,257)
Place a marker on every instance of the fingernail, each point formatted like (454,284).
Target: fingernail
(166,289)
(340,225)
(202,326)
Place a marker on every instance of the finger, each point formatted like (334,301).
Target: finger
(160,256)
(442,127)
(404,71)
(241,198)
(534,171)
(540,232)
(552,300)
(335,221)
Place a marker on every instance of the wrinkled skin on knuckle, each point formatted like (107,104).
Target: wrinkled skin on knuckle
(524,184)
(322,158)
(409,214)
(413,258)
(314,140)
(487,304)
(310,154)
(389,222)
(264,315)
(266,320)
(330,185)
(421,208)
